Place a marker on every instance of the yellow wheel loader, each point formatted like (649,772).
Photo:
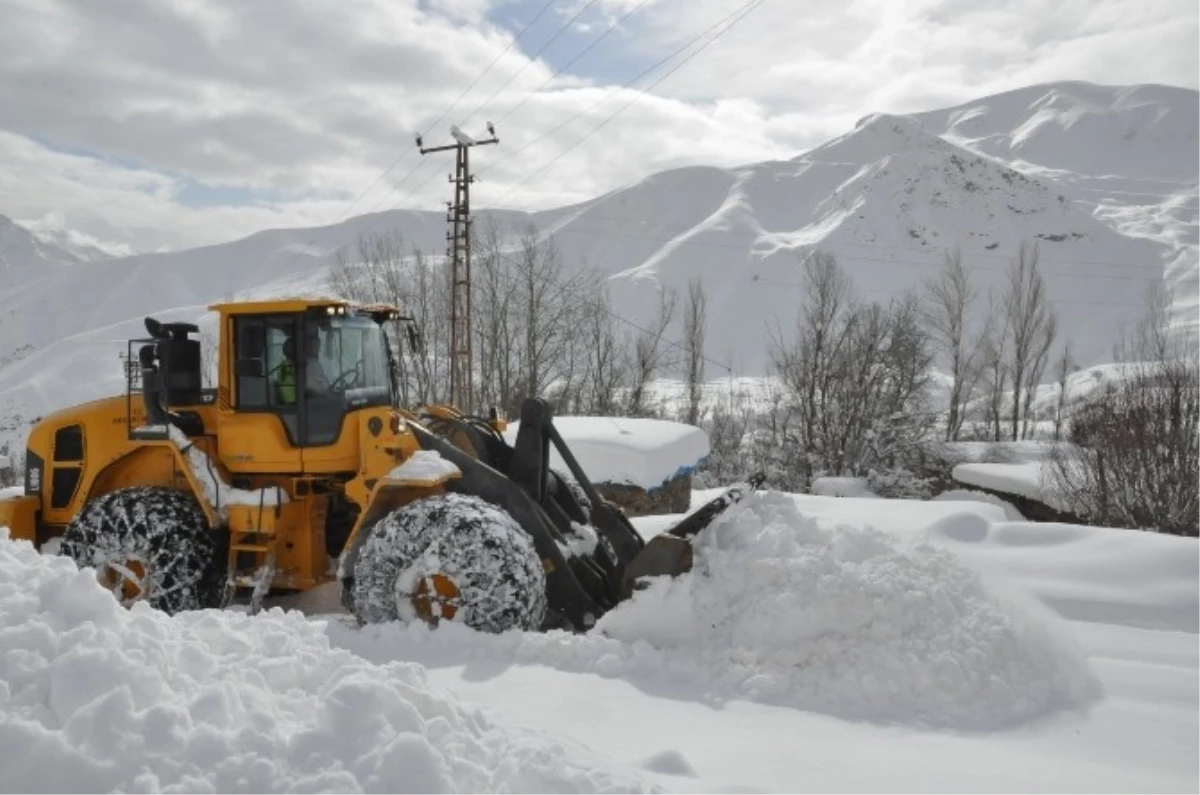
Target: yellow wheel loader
(299,469)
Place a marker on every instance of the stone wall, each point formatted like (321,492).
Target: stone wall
(674,496)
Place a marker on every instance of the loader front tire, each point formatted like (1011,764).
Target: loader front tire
(148,544)
(453,557)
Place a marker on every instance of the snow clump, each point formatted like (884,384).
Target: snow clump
(97,698)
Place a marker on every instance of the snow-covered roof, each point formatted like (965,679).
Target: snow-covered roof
(642,452)
(1028,479)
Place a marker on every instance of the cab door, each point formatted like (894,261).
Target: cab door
(262,432)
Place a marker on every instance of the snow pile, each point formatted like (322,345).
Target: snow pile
(642,452)
(97,698)
(425,465)
(844,622)
(783,612)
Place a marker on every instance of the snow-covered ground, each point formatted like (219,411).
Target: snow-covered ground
(823,643)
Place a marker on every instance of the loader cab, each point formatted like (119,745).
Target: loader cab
(309,365)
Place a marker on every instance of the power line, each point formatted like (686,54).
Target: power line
(609,93)
(413,146)
(748,6)
(495,60)
(571,62)
(733,19)
(530,60)
(445,113)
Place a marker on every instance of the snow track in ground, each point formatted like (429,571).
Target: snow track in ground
(97,698)
(785,612)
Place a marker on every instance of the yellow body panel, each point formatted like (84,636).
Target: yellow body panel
(256,443)
(110,459)
(246,451)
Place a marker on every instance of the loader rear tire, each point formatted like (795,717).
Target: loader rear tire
(148,544)
(450,556)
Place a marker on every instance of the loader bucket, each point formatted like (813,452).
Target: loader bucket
(671,552)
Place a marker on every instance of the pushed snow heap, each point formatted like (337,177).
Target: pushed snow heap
(782,611)
(842,621)
(97,698)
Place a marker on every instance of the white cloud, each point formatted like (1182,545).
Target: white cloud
(844,59)
(302,104)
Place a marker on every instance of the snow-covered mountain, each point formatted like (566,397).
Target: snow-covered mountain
(22,248)
(1128,155)
(1104,179)
(93,237)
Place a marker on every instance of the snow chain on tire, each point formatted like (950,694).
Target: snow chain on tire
(156,536)
(496,575)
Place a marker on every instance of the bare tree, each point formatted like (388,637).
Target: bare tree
(383,270)
(496,330)
(550,304)
(650,352)
(1065,365)
(996,373)
(607,350)
(693,341)
(1136,459)
(856,377)
(1032,327)
(821,331)
(949,302)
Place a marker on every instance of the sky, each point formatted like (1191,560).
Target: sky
(186,122)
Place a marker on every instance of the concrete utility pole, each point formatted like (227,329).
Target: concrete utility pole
(458,251)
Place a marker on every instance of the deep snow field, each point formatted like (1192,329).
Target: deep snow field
(822,643)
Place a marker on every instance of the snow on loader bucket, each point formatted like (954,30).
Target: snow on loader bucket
(558,553)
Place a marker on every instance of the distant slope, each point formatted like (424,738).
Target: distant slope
(1129,154)
(1144,132)
(888,198)
(21,248)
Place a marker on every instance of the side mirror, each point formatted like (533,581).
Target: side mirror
(250,368)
